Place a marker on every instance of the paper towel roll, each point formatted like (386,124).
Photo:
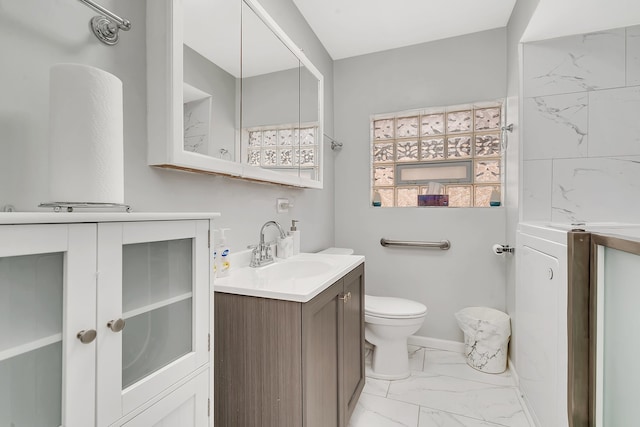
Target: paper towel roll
(86,135)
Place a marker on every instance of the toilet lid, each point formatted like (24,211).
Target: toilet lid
(392,307)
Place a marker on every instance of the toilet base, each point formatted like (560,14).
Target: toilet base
(390,361)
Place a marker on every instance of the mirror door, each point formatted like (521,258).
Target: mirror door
(212,76)
(230,93)
(270,93)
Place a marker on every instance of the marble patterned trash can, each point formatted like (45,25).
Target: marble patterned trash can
(486,338)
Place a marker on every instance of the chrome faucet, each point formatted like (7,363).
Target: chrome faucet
(261,254)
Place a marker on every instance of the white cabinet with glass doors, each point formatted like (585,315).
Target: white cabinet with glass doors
(106,317)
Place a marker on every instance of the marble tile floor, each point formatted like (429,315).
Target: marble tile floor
(442,391)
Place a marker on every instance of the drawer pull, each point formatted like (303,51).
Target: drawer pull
(116,325)
(345,297)
(87,337)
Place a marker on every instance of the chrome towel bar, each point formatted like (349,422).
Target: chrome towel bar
(105,28)
(443,244)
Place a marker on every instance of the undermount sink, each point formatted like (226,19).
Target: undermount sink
(298,278)
(293,269)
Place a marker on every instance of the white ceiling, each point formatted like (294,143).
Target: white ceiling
(554,18)
(355,27)
(212,28)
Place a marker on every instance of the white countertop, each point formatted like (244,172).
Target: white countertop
(256,281)
(80,216)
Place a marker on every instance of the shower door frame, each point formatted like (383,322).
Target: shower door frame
(578,328)
(582,316)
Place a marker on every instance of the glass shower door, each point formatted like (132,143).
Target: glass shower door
(617,324)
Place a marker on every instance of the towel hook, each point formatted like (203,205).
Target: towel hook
(335,145)
(106,27)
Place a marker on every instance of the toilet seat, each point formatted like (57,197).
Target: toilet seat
(393,308)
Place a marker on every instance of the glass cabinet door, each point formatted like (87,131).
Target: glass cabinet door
(31,288)
(157,323)
(37,339)
(157,301)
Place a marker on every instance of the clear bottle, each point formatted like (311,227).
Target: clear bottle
(214,254)
(295,234)
(495,197)
(222,255)
(377,200)
(284,247)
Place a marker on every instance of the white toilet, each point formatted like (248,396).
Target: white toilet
(388,324)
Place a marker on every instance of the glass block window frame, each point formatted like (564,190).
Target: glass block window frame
(284,148)
(463,134)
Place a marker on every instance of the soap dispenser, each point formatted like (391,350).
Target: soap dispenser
(295,234)
(222,255)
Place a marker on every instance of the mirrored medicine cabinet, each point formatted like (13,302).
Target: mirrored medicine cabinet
(229,93)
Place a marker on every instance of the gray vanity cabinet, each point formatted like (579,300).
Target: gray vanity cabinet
(285,363)
(353,342)
(333,349)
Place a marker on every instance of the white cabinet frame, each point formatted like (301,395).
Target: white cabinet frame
(92,278)
(112,401)
(165,100)
(79,286)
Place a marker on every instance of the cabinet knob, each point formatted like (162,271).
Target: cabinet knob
(116,325)
(86,337)
(345,297)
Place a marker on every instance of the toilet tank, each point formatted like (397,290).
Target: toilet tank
(337,251)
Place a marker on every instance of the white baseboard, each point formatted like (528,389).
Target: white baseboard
(533,421)
(436,343)
(513,372)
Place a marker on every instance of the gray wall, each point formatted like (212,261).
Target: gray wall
(203,74)
(446,72)
(520,17)
(282,97)
(34,34)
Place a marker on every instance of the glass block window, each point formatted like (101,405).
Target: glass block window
(455,150)
(286,147)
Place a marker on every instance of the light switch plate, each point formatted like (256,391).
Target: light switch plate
(282,205)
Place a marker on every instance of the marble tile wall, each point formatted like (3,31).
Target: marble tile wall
(581,128)
(197,118)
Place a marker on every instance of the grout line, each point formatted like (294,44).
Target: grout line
(491,423)
(626,57)
(424,363)
(525,408)
(491,386)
